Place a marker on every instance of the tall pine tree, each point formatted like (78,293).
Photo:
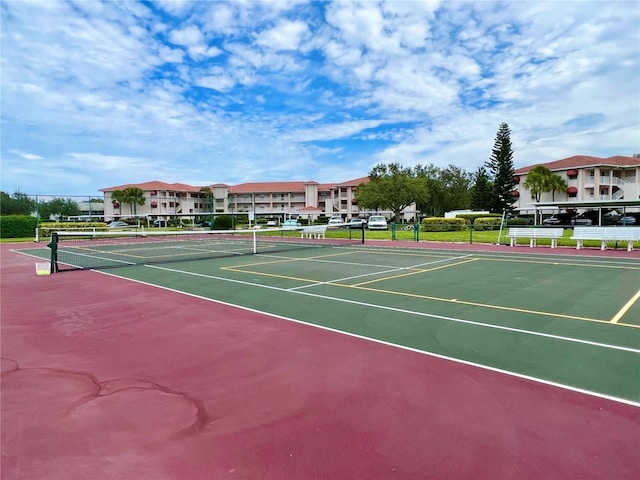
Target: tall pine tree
(502,172)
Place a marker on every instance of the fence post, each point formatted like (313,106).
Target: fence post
(471,233)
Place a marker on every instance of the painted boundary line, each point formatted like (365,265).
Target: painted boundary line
(389,344)
(400,310)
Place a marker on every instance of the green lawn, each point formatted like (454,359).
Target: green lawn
(476,236)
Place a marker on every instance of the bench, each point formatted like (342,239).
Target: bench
(606,234)
(315,231)
(534,233)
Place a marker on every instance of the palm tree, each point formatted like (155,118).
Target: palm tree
(557,184)
(207,193)
(538,181)
(133,196)
(118,197)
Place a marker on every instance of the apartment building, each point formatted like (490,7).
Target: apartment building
(256,199)
(589,179)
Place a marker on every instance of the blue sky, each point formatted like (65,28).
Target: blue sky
(99,94)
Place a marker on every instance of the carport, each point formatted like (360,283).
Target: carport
(539,208)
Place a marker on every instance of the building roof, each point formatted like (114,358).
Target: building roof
(309,209)
(582,161)
(155,185)
(267,187)
(353,183)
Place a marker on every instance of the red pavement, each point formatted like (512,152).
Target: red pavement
(103,378)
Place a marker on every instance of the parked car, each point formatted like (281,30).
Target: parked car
(357,223)
(627,220)
(560,219)
(377,222)
(118,224)
(581,220)
(335,221)
(291,224)
(272,223)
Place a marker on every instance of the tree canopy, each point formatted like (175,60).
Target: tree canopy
(58,207)
(16,204)
(391,187)
(447,189)
(482,191)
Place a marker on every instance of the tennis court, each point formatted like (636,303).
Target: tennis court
(447,363)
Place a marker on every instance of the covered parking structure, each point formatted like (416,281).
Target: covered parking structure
(539,209)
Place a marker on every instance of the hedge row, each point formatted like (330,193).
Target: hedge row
(17,226)
(47,227)
(439,224)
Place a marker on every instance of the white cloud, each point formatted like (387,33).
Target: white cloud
(249,91)
(187,37)
(284,36)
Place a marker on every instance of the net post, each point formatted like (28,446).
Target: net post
(255,242)
(53,245)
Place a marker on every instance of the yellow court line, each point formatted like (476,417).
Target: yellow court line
(414,272)
(474,304)
(286,277)
(626,308)
(285,260)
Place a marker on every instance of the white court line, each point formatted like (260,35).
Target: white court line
(381,342)
(401,310)
(390,270)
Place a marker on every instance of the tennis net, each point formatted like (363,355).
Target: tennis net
(72,250)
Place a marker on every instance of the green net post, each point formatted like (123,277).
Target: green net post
(393,230)
(416,232)
(471,233)
(53,245)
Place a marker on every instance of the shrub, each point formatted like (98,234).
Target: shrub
(516,222)
(46,227)
(439,224)
(470,218)
(17,226)
(487,223)
(222,222)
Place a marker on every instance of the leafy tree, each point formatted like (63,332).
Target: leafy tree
(482,191)
(448,189)
(58,207)
(391,187)
(17,204)
(501,171)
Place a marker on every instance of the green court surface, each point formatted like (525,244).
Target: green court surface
(571,321)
